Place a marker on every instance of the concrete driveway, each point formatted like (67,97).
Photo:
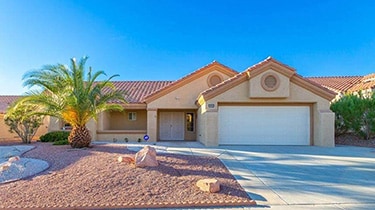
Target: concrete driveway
(301,177)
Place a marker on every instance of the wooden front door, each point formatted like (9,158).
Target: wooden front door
(171,126)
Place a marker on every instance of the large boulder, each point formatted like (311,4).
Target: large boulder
(146,157)
(14,159)
(209,185)
(5,166)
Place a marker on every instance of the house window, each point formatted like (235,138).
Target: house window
(132,116)
(67,126)
(190,122)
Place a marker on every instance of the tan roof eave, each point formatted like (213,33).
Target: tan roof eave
(179,83)
(225,87)
(282,69)
(135,106)
(318,90)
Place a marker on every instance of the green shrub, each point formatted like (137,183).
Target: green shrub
(355,113)
(55,136)
(22,120)
(61,142)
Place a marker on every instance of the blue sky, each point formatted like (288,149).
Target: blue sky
(167,39)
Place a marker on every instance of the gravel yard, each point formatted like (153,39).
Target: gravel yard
(352,140)
(92,178)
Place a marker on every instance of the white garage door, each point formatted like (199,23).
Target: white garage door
(264,125)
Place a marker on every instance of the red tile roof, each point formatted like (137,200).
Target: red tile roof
(136,91)
(337,83)
(367,82)
(5,101)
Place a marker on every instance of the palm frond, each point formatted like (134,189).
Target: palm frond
(67,94)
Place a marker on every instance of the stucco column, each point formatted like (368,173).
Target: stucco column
(54,124)
(326,136)
(212,128)
(152,124)
(100,122)
(91,125)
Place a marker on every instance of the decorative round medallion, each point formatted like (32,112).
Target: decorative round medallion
(270,82)
(214,80)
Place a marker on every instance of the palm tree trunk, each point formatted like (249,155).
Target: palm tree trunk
(79,137)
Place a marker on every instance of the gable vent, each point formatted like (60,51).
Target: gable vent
(214,80)
(270,82)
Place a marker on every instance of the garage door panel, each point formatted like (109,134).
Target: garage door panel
(264,125)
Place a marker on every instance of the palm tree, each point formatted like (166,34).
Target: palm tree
(65,93)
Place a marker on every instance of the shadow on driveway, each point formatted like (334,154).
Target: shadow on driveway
(305,175)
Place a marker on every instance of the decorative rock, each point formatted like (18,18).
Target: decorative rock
(14,159)
(126,159)
(5,166)
(146,157)
(209,185)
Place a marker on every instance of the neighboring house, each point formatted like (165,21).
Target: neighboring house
(267,104)
(5,101)
(347,84)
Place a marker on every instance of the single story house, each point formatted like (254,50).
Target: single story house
(267,104)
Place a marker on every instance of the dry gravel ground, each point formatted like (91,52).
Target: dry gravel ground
(92,178)
(348,139)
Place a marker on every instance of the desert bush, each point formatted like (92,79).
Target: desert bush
(55,136)
(22,120)
(355,113)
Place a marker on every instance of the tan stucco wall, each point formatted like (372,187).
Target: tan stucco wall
(43,129)
(152,124)
(120,136)
(282,91)
(184,97)
(116,125)
(54,124)
(326,129)
(120,120)
(323,118)
(207,129)
(181,98)
(103,121)
(92,125)
(57,125)
(4,131)
(201,125)
(6,135)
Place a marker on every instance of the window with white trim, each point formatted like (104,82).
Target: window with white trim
(132,116)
